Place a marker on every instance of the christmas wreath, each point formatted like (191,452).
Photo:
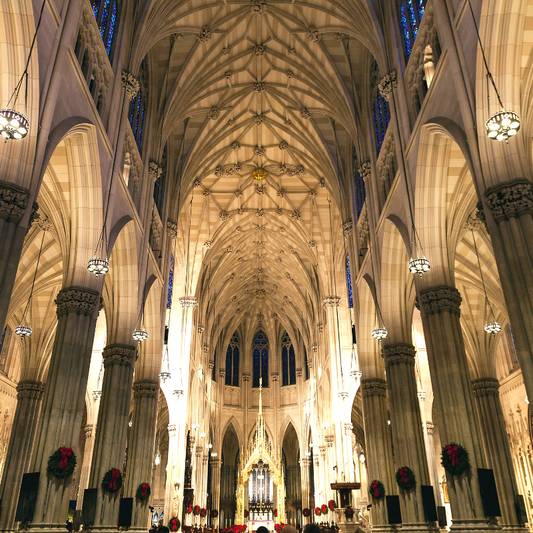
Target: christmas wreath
(62,462)
(454,458)
(143,492)
(189,508)
(324,508)
(306,511)
(318,512)
(203,512)
(405,478)
(275,512)
(348,512)
(214,513)
(174,524)
(331,505)
(376,489)
(112,480)
(196,510)
(245,515)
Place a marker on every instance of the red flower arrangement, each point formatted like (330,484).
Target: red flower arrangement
(196,510)
(348,512)
(214,513)
(174,524)
(318,512)
(143,491)
(279,527)
(62,462)
(324,508)
(189,508)
(233,529)
(203,512)
(405,478)
(331,505)
(112,480)
(306,511)
(454,458)
(376,489)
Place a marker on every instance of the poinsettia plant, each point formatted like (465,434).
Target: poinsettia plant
(233,529)
(279,527)
(62,462)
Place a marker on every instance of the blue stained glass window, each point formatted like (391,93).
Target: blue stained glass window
(2,337)
(288,360)
(349,281)
(170,282)
(138,107)
(381,109)
(232,361)
(106,15)
(410,13)
(260,358)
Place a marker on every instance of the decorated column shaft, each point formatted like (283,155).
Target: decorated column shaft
(496,448)
(86,465)
(111,431)
(304,476)
(215,486)
(407,431)
(29,399)
(440,309)
(141,444)
(64,401)
(378,448)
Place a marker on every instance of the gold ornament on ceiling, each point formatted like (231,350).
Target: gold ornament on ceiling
(260,174)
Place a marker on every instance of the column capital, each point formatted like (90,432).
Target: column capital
(388,84)
(145,388)
(299,372)
(440,299)
(485,387)
(510,199)
(30,389)
(188,302)
(215,463)
(76,300)
(222,374)
(365,170)
(330,439)
(400,353)
(305,462)
(155,171)
(274,376)
(118,354)
(130,84)
(429,427)
(13,201)
(172,228)
(245,376)
(374,387)
(322,450)
(347,227)
(330,302)
(88,429)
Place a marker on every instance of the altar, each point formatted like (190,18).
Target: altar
(253,525)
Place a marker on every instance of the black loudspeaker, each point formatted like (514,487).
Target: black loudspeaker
(393,509)
(124,512)
(428,501)
(520,509)
(354,338)
(489,494)
(88,509)
(27,497)
(441,512)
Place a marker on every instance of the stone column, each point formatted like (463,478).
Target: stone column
(13,204)
(440,309)
(496,448)
(304,476)
(407,431)
(171,503)
(433,461)
(29,399)
(378,447)
(86,466)
(141,444)
(511,205)
(111,429)
(64,401)
(215,487)
(318,482)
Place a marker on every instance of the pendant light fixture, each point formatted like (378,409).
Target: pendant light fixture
(418,263)
(139,333)
(490,327)
(503,124)
(380,331)
(23,330)
(165,366)
(13,124)
(97,393)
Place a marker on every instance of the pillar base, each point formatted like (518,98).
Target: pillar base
(514,529)
(474,526)
(419,527)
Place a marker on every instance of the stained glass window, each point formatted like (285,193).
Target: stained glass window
(349,281)
(138,106)
(381,113)
(260,358)
(410,13)
(232,361)
(2,337)
(106,15)
(170,282)
(159,187)
(288,360)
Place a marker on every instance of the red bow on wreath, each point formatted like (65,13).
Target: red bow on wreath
(453,452)
(115,474)
(190,508)
(65,453)
(404,475)
(174,523)
(375,488)
(144,489)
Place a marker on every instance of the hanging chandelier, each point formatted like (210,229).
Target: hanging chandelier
(165,366)
(140,335)
(23,331)
(492,327)
(99,265)
(418,264)
(379,333)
